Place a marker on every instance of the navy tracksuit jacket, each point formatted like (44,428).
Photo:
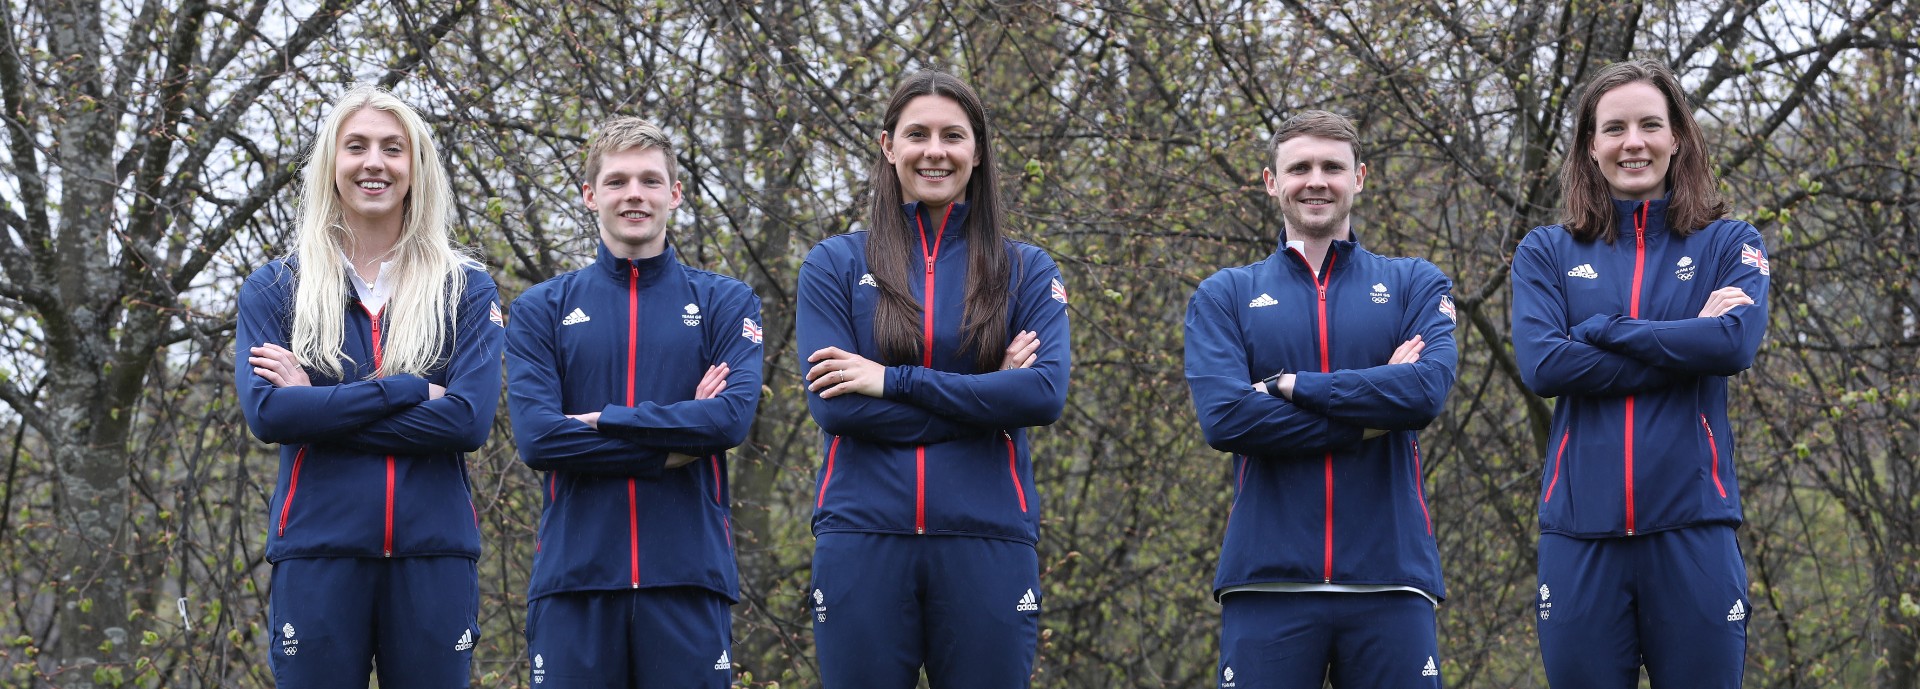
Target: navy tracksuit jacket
(370,467)
(1641,441)
(631,339)
(945,451)
(1313,503)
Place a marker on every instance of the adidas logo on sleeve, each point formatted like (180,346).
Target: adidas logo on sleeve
(723,663)
(1028,603)
(465,642)
(1430,670)
(1738,613)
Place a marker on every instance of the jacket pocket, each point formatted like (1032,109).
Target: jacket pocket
(293,485)
(1713,452)
(1013,469)
(1558,455)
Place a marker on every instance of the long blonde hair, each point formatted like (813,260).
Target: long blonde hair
(427,276)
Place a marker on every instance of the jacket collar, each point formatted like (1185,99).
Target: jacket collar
(1340,250)
(622,269)
(956,219)
(1624,213)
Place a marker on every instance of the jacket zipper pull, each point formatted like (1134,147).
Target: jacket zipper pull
(929,265)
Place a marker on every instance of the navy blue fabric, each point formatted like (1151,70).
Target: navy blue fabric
(652,638)
(969,423)
(884,605)
(1576,338)
(336,435)
(413,619)
(614,518)
(1290,457)
(1674,601)
(1299,640)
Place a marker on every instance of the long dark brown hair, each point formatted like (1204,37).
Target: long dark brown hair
(1586,198)
(893,251)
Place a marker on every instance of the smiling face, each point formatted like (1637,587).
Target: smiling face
(933,151)
(373,168)
(1633,141)
(1315,178)
(633,195)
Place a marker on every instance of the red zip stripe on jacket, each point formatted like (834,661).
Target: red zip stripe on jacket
(932,253)
(386,545)
(1564,435)
(293,484)
(1633,311)
(1419,489)
(1326,366)
(1014,470)
(828,477)
(633,358)
(1714,448)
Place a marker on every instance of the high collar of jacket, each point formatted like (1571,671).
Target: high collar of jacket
(918,216)
(1627,214)
(1340,250)
(649,269)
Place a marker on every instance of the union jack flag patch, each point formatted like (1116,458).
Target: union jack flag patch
(1446,307)
(1753,257)
(493,312)
(750,330)
(1059,291)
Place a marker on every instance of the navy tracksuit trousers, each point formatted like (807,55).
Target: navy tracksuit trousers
(1673,601)
(883,606)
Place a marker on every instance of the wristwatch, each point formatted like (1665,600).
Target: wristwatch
(1273,383)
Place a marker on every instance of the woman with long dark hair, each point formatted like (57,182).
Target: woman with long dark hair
(932,343)
(1634,312)
(371,355)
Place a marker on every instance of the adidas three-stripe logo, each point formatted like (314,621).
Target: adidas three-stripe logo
(1263,300)
(1738,613)
(1584,270)
(575,318)
(1028,603)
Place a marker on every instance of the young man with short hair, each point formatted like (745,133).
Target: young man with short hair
(628,380)
(1316,367)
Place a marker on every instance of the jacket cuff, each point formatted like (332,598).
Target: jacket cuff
(403,391)
(1312,391)
(898,383)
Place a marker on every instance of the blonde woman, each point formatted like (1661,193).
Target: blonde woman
(371,355)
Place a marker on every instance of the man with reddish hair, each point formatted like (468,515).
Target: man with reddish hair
(628,381)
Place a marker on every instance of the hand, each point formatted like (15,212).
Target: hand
(1372,433)
(712,383)
(1723,300)
(1408,352)
(676,460)
(589,418)
(278,365)
(436,391)
(1022,353)
(837,372)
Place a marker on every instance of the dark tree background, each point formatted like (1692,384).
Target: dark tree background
(148,160)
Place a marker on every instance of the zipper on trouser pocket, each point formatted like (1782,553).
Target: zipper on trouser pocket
(1713,447)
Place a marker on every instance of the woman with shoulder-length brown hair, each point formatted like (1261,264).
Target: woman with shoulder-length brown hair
(932,343)
(1634,313)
